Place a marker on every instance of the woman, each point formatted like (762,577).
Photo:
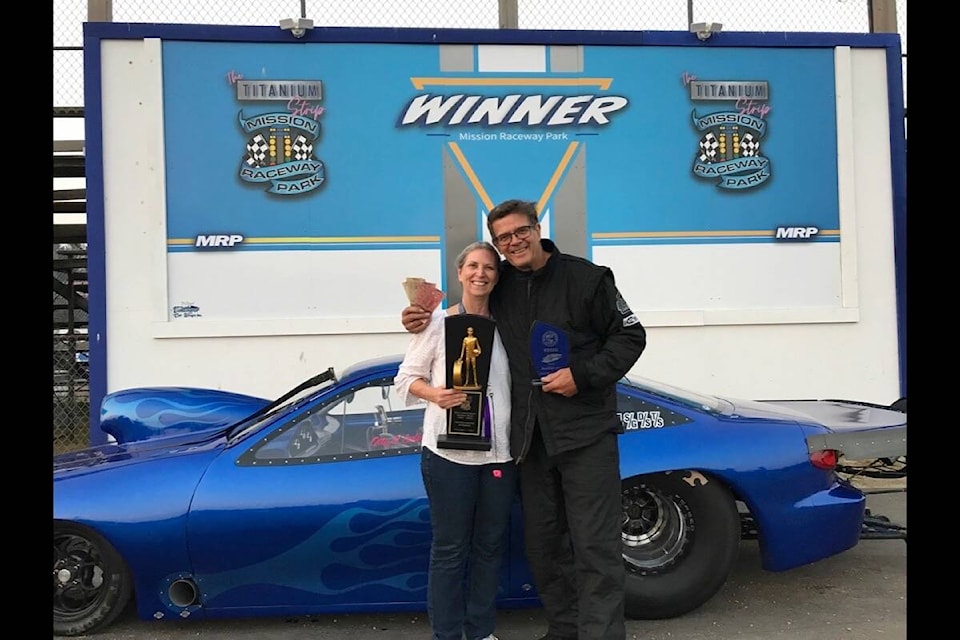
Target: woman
(470,492)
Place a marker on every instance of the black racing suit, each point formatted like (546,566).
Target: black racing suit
(567,447)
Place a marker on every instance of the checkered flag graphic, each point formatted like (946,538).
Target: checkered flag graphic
(257,149)
(302,148)
(708,147)
(749,145)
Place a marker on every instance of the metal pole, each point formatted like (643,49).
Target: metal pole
(689,12)
(883,16)
(508,14)
(99,10)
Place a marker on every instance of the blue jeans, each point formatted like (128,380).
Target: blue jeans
(469,514)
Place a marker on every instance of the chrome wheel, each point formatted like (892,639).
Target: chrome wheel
(654,531)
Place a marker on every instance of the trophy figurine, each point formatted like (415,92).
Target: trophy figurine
(469,339)
(465,368)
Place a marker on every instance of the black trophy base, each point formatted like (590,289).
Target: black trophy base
(469,443)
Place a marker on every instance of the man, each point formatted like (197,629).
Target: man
(564,433)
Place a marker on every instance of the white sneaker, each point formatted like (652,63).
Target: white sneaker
(490,637)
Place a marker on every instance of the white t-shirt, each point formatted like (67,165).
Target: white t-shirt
(426,358)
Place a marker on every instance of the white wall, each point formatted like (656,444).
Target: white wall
(851,354)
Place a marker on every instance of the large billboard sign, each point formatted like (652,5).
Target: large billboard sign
(287,186)
(285,162)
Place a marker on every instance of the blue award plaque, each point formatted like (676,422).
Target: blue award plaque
(549,348)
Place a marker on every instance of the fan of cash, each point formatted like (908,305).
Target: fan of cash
(422,293)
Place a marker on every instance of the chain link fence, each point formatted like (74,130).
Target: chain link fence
(71,370)
(71,386)
(616,15)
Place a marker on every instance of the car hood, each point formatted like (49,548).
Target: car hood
(156,448)
(142,413)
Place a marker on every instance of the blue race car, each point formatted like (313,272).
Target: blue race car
(214,504)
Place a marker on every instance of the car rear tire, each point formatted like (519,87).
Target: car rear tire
(91,583)
(680,540)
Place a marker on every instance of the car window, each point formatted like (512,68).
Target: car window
(362,422)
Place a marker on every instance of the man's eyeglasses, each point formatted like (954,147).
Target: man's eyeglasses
(519,232)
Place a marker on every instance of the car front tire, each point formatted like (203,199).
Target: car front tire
(680,540)
(91,583)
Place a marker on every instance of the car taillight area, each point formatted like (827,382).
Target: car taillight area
(826,459)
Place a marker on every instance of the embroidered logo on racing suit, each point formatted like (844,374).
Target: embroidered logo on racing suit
(629,318)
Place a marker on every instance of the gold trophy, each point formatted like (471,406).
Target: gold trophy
(465,367)
(469,341)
